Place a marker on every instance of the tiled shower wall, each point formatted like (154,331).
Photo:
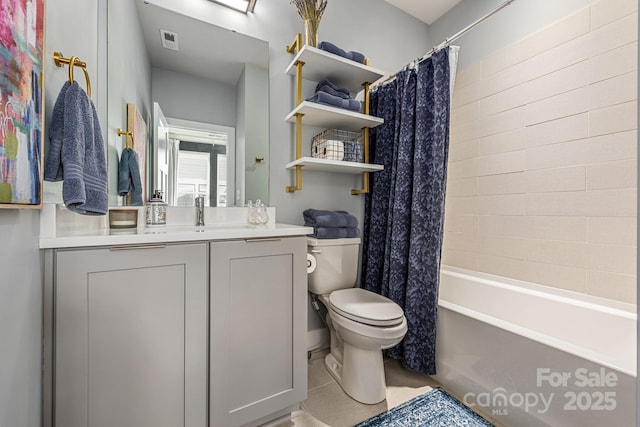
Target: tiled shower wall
(542,164)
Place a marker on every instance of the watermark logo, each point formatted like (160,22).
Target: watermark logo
(578,390)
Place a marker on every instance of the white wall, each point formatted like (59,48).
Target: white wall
(542,182)
(256,133)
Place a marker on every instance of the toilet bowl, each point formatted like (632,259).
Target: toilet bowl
(361,323)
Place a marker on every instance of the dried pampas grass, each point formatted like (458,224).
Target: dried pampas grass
(310,9)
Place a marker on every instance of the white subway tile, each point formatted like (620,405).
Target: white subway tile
(460,259)
(462,187)
(508,183)
(618,287)
(616,90)
(501,122)
(511,247)
(463,168)
(613,230)
(558,106)
(558,179)
(615,202)
(467,242)
(465,114)
(620,174)
(461,224)
(563,80)
(513,161)
(558,155)
(461,205)
(614,63)
(560,130)
(615,146)
(614,119)
(573,229)
(468,75)
(555,34)
(570,254)
(505,142)
(613,35)
(569,203)
(605,12)
(613,259)
(507,204)
(463,150)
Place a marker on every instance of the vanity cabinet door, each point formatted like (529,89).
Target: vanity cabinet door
(258,348)
(131,337)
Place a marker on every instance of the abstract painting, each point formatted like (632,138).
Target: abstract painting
(21,103)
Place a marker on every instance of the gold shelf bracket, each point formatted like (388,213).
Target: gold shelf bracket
(365,142)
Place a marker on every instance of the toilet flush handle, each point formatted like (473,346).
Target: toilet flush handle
(316,251)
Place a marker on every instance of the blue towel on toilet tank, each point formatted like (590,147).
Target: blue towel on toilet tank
(335,233)
(329,219)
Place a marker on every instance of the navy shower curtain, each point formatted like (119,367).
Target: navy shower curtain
(404,212)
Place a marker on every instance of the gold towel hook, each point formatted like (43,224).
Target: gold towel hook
(128,134)
(60,60)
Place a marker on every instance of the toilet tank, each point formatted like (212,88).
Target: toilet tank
(336,264)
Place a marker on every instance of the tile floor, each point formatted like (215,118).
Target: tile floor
(328,406)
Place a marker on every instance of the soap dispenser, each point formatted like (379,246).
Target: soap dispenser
(156,210)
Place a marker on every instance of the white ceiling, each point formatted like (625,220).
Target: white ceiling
(425,10)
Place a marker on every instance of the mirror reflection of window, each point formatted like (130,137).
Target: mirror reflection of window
(200,165)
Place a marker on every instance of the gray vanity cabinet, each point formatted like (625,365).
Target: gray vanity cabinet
(130,328)
(258,348)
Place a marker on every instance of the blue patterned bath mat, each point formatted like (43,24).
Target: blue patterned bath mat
(435,408)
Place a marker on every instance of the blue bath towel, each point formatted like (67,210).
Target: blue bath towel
(332,89)
(351,55)
(334,101)
(329,219)
(81,162)
(335,233)
(53,164)
(129,177)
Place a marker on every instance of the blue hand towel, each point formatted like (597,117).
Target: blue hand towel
(82,154)
(332,91)
(330,219)
(351,55)
(334,101)
(334,88)
(352,151)
(129,177)
(53,165)
(335,233)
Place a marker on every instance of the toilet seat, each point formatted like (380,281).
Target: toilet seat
(366,307)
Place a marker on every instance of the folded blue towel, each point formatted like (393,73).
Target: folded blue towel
(53,164)
(351,55)
(333,92)
(81,161)
(341,91)
(335,233)
(331,219)
(352,151)
(334,101)
(129,177)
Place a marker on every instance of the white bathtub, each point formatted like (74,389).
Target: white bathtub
(529,355)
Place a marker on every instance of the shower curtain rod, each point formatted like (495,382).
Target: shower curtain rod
(451,39)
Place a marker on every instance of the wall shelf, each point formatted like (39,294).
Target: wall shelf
(335,166)
(321,115)
(320,65)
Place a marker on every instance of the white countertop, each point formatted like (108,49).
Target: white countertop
(61,229)
(170,234)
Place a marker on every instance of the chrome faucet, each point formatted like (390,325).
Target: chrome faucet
(199,211)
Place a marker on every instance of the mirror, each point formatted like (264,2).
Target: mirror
(202,92)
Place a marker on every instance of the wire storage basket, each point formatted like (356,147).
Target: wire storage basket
(336,144)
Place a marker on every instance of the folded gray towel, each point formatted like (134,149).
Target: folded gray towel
(340,91)
(335,233)
(129,177)
(334,101)
(351,55)
(81,163)
(325,218)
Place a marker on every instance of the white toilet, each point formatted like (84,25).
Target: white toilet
(361,323)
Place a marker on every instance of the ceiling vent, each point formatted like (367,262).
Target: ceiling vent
(169,39)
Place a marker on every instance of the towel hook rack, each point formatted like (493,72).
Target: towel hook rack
(72,62)
(128,135)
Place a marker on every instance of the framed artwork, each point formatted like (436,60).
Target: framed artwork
(137,124)
(21,103)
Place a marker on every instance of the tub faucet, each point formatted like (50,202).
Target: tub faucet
(199,211)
